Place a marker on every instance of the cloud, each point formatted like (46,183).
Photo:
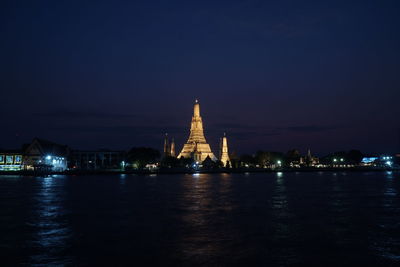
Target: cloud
(247,132)
(134,130)
(308,128)
(247,135)
(66,114)
(235,126)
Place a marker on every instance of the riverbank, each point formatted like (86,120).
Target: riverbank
(191,171)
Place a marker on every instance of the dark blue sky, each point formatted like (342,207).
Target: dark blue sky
(274,75)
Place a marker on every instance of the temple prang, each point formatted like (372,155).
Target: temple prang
(223,154)
(197,145)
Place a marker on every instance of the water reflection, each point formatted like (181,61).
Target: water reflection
(387,238)
(225,193)
(390,190)
(279,197)
(51,230)
(283,224)
(273,219)
(122,179)
(204,205)
(338,199)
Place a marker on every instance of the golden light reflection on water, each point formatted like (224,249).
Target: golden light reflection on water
(205,203)
(197,195)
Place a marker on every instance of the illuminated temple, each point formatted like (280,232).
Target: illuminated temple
(223,153)
(196,146)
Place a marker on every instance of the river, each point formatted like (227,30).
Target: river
(274,219)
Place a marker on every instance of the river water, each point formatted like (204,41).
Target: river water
(274,219)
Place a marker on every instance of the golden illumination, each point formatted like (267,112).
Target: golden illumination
(197,147)
(224,156)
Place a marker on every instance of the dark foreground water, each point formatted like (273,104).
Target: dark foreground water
(274,219)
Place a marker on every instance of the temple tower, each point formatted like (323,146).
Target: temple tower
(196,142)
(167,149)
(172,150)
(224,156)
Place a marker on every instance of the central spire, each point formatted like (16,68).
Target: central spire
(196,140)
(196,127)
(196,109)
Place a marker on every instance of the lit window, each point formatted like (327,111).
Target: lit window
(9,159)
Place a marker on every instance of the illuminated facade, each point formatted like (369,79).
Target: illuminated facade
(378,161)
(10,161)
(196,147)
(224,155)
(45,155)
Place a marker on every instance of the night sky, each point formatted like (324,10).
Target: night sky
(275,75)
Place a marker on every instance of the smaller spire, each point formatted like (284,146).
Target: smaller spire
(172,148)
(167,148)
(224,155)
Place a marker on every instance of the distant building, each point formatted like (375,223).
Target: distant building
(385,161)
(10,160)
(97,160)
(309,160)
(45,155)
(369,161)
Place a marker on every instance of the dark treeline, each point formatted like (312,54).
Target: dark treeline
(140,157)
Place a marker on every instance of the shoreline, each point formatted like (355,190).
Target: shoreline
(185,171)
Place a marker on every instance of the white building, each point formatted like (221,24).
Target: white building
(45,155)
